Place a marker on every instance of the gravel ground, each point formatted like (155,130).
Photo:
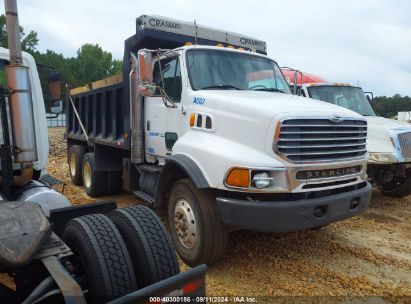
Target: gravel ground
(367,257)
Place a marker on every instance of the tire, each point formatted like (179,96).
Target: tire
(209,238)
(101,254)
(75,162)
(148,243)
(114,182)
(94,181)
(318,227)
(398,187)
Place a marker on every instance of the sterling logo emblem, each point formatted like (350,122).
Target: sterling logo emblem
(336,119)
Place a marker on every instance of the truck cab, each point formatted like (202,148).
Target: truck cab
(39,112)
(388,142)
(204,125)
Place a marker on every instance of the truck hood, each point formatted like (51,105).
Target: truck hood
(249,118)
(378,133)
(270,104)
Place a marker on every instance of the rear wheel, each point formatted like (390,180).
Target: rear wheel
(148,242)
(398,187)
(94,181)
(75,162)
(195,227)
(100,255)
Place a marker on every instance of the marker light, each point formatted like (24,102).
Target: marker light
(188,43)
(220,45)
(238,177)
(192,119)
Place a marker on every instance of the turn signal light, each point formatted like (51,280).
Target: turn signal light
(238,178)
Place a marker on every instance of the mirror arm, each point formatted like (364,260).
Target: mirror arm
(52,116)
(372,95)
(164,95)
(166,99)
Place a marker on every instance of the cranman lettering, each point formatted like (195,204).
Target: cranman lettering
(162,23)
(252,42)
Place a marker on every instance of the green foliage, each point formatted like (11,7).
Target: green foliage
(390,106)
(91,63)
(29,42)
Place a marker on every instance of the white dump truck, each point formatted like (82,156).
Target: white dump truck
(389,140)
(202,123)
(58,253)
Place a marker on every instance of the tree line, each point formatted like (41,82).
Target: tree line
(390,106)
(92,63)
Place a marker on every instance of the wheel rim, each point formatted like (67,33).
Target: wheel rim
(393,185)
(185,224)
(87,174)
(73,162)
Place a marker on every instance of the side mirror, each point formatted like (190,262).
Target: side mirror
(145,67)
(54,85)
(57,107)
(145,74)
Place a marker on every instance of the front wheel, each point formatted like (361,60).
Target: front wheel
(197,232)
(398,187)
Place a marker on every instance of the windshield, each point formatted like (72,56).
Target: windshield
(348,97)
(222,70)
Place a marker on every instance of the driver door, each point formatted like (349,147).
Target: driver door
(162,123)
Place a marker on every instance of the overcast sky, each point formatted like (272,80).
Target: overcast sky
(365,42)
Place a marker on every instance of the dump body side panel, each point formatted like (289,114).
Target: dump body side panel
(105,115)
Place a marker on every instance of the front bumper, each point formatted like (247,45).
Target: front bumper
(284,216)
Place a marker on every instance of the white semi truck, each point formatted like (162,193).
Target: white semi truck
(388,142)
(202,123)
(55,252)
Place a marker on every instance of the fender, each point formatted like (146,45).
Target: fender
(177,167)
(190,168)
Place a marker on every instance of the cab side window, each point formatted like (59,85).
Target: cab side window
(171,76)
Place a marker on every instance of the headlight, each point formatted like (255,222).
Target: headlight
(261,180)
(382,157)
(274,179)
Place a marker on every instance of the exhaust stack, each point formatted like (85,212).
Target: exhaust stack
(21,104)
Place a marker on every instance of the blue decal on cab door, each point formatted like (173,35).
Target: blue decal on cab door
(199,101)
(153,133)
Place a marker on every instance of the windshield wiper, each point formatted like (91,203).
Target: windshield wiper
(269,90)
(221,86)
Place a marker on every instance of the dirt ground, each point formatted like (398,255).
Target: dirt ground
(366,258)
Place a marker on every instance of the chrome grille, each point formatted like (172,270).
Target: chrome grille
(405,143)
(311,140)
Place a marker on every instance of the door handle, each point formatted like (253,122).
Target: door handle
(148,125)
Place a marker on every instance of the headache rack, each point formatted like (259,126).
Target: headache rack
(319,140)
